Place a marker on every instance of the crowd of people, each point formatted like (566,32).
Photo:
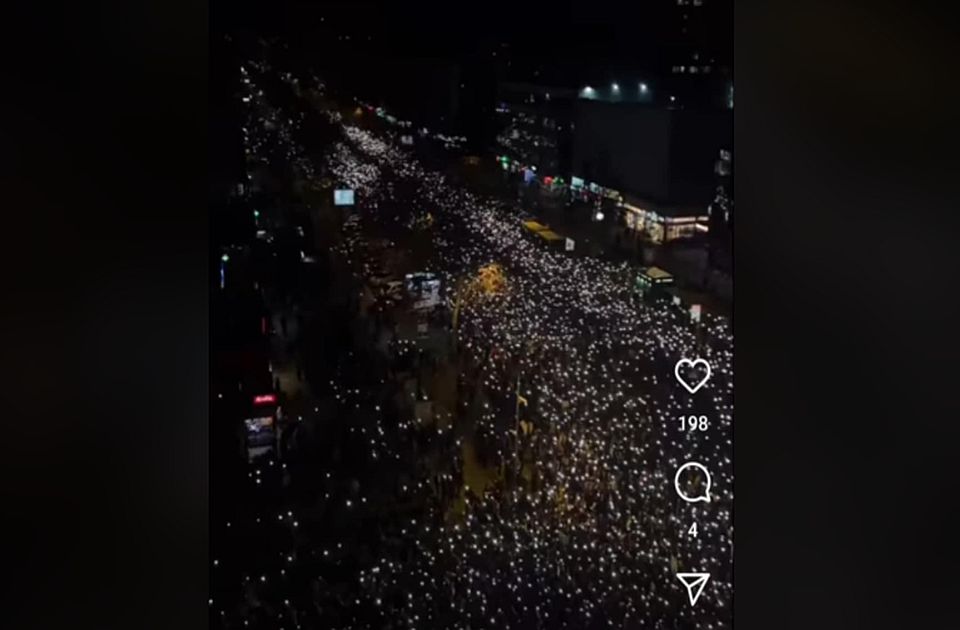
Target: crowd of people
(565,393)
(585,529)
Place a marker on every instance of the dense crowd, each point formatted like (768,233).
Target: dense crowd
(584,529)
(579,525)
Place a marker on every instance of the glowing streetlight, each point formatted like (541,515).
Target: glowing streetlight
(615,87)
(643,88)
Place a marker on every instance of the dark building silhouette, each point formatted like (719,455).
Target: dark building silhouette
(659,154)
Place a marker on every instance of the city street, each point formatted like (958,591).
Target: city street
(502,455)
(533,329)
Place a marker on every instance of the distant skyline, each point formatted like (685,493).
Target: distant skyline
(440,64)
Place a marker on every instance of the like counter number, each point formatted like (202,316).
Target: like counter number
(694,423)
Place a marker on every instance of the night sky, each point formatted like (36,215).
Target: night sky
(417,58)
(565,41)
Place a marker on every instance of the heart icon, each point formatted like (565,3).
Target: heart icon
(692,365)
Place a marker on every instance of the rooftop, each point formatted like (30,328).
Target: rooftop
(657,273)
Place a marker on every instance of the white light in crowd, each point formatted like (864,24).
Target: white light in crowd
(643,87)
(615,87)
(599,216)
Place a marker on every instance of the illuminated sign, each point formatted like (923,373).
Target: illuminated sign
(343,197)
(256,425)
(265,399)
(424,288)
(261,436)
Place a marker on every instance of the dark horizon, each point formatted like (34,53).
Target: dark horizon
(581,37)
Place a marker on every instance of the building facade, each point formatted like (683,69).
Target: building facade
(697,64)
(535,127)
(665,155)
(663,223)
(721,213)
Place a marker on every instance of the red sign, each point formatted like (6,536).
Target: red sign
(264,399)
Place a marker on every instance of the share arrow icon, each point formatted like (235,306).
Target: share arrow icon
(694,583)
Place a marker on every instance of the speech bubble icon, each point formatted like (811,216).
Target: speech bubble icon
(705,497)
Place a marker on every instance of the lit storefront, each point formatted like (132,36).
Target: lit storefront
(662,225)
(593,192)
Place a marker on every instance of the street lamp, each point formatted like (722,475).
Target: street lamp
(643,88)
(615,87)
(223,271)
